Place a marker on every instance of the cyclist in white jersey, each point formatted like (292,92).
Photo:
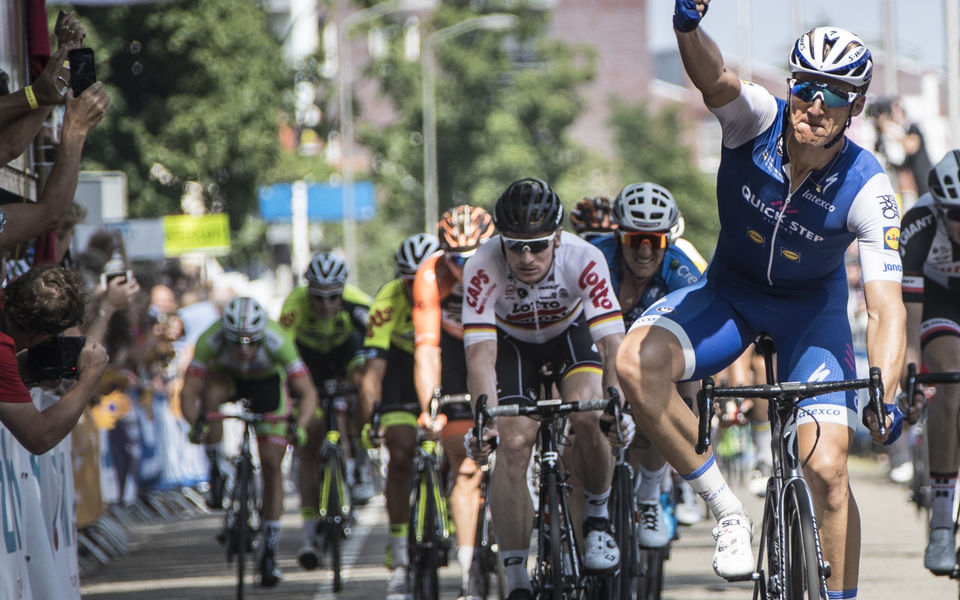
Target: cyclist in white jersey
(793,192)
(535,295)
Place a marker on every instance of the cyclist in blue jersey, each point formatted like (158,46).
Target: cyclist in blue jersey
(792,193)
(647,260)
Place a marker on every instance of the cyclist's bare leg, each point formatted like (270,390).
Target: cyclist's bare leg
(510,505)
(837,512)
(464,497)
(216,391)
(271,455)
(943,415)
(590,455)
(400,441)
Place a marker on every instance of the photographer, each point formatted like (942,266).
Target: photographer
(42,303)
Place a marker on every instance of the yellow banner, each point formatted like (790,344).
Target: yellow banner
(209,234)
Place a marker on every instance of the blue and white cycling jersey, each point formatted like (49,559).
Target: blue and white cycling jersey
(677,270)
(779,262)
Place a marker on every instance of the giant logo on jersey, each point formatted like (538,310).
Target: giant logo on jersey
(598,287)
(916,226)
(891,238)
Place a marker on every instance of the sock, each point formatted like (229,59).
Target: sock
(309,516)
(398,545)
(761,442)
(271,535)
(596,505)
(710,484)
(842,594)
(515,568)
(465,558)
(944,489)
(648,485)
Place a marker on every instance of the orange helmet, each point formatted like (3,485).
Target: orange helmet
(463,228)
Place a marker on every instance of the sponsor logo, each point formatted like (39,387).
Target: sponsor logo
(914,228)
(563,293)
(808,195)
(378,318)
(889,206)
(822,411)
(479,279)
(665,310)
(597,286)
(684,272)
(891,238)
(820,373)
(756,236)
(790,254)
(524,307)
(892,267)
(510,290)
(288,319)
(773,212)
(830,181)
(522,292)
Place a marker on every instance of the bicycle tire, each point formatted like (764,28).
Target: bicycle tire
(555,519)
(242,515)
(802,558)
(335,519)
(650,586)
(486,570)
(426,584)
(624,520)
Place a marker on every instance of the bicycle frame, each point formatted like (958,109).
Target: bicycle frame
(551,580)
(787,478)
(334,510)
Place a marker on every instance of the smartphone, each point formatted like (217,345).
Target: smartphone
(82,72)
(105,278)
(55,358)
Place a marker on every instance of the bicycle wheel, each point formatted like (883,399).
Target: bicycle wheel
(624,521)
(241,533)
(555,520)
(486,570)
(425,560)
(802,556)
(336,520)
(650,585)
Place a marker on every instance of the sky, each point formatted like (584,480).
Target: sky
(918,24)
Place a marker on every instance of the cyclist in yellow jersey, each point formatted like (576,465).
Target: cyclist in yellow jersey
(388,380)
(328,319)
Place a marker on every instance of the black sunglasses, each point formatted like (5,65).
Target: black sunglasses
(534,246)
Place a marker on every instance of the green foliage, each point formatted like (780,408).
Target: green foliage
(650,149)
(195,89)
(504,100)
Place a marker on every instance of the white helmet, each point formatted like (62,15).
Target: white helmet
(944,180)
(413,251)
(326,270)
(244,320)
(646,207)
(835,53)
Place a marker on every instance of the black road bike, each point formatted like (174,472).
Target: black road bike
(790,539)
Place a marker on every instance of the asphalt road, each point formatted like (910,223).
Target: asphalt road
(181,560)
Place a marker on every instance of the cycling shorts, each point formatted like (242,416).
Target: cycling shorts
(398,395)
(264,396)
(716,320)
(941,313)
(336,363)
(453,380)
(519,363)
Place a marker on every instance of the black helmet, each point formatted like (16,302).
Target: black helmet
(528,206)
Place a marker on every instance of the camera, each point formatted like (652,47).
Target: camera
(105,278)
(55,358)
(82,71)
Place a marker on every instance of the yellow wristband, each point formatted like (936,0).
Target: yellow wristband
(31,97)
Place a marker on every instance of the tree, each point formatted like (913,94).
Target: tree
(196,88)
(650,149)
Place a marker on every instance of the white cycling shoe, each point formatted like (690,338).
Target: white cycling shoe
(688,510)
(600,552)
(733,558)
(654,532)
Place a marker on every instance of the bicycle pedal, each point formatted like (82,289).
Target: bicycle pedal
(749,577)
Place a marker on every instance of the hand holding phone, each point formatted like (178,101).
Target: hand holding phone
(82,71)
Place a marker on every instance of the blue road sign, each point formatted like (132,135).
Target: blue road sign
(324,202)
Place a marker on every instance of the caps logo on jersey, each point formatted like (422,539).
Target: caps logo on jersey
(891,238)
(756,237)
(790,255)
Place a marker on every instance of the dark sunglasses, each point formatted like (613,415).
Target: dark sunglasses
(953,213)
(458,259)
(327,295)
(242,340)
(831,95)
(634,239)
(534,246)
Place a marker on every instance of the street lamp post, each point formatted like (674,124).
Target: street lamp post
(496,21)
(346,113)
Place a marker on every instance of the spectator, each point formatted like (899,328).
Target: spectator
(901,143)
(43,302)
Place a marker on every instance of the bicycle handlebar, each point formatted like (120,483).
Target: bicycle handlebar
(790,391)
(913,378)
(544,408)
(246,417)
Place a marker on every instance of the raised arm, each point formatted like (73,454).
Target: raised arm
(701,57)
